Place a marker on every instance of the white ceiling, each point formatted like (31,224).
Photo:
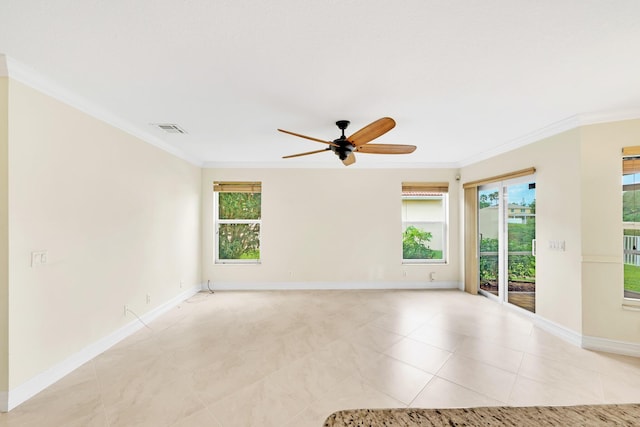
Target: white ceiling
(463,79)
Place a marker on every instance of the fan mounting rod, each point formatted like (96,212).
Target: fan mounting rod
(343,147)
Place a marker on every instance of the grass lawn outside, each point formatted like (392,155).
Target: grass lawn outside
(631,278)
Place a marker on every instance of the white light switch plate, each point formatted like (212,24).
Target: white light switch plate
(38,258)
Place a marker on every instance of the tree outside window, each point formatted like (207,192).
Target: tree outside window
(424,222)
(238,221)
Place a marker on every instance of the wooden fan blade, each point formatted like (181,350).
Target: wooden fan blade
(349,160)
(306,154)
(386,149)
(308,137)
(372,131)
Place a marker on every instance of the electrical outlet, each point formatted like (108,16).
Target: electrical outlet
(125,309)
(181,283)
(148,298)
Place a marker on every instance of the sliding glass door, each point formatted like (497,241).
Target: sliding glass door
(507,227)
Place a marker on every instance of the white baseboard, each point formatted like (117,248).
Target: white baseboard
(558,330)
(280,286)
(30,388)
(587,342)
(610,346)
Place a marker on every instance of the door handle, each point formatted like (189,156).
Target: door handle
(534,247)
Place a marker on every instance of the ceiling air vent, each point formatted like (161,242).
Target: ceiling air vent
(170,127)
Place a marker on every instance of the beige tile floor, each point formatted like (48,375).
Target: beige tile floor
(291,358)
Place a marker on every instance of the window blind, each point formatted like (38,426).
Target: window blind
(237,187)
(630,160)
(631,151)
(631,166)
(503,177)
(425,187)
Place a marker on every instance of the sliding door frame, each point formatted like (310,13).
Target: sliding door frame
(471,241)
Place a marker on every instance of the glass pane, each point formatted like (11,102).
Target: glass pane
(488,216)
(423,222)
(521,232)
(239,241)
(423,241)
(631,241)
(631,221)
(631,198)
(239,205)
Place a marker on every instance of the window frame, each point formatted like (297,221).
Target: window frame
(217,222)
(444,195)
(630,165)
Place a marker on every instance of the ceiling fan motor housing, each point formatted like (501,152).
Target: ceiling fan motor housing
(344,148)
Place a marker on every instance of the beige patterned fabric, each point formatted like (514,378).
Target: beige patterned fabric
(587,415)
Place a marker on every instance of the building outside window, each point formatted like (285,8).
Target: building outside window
(238,219)
(424,222)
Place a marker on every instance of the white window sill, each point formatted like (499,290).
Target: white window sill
(631,304)
(423,262)
(233,262)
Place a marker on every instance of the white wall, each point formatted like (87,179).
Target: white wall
(4,239)
(558,217)
(602,261)
(339,226)
(120,219)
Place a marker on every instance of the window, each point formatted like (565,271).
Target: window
(631,221)
(237,211)
(424,222)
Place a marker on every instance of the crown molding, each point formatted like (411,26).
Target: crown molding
(327,165)
(609,116)
(556,128)
(15,70)
(29,77)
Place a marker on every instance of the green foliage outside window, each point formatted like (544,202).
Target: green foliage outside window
(415,244)
(631,206)
(490,199)
(521,267)
(489,264)
(238,240)
(239,205)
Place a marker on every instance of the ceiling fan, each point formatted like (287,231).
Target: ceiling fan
(345,147)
